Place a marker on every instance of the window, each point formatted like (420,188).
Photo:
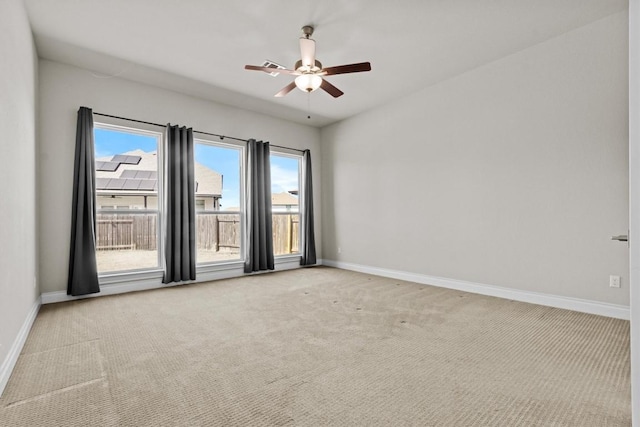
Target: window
(285,185)
(129,208)
(127,189)
(218,186)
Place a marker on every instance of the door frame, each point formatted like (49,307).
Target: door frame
(634,204)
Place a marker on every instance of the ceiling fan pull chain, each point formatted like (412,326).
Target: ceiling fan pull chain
(308,105)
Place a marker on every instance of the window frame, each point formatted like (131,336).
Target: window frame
(241,148)
(294,154)
(137,273)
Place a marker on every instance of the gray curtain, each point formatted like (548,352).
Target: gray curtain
(259,241)
(83,271)
(308,235)
(180,216)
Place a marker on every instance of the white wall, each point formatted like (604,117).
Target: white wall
(18,74)
(513,174)
(64,88)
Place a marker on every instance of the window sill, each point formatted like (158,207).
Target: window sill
(129,276)
(287,257)
(205,271)
(220,266)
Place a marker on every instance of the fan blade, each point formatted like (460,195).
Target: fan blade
(307,52)
(271,70)
(344,69)
(330,89)
(285,90)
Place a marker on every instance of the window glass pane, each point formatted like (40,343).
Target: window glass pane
(126,179)
(285,183)
(217,176)
(218,237)
(126,242)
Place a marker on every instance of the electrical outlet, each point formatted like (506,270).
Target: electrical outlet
(614,281)
(339,250)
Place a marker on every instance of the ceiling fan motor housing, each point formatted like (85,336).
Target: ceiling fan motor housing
(307,30)
(299,67)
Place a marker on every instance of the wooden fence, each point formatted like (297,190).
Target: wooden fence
(286,232)
(116,232)
(214,232)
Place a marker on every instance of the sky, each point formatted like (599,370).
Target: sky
(226,161)
(110,142)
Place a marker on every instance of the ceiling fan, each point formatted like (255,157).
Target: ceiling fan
(309,71)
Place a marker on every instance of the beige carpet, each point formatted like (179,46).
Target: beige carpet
(318,346)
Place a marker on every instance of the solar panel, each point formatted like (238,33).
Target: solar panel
(131,184)
(154,175)
(127,160)
(147,184)
(128,173)
(143,174)
(132,160)
(101,183)
(115,184)
(120,158)
(107,166)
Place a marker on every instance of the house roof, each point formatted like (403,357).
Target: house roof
(283,199)
(136,172)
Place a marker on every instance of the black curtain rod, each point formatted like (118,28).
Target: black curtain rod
(195,131)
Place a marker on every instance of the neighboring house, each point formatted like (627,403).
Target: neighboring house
(130,181)
(285,201)
(280,202)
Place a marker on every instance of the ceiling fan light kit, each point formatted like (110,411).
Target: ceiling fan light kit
(308,82)
(309,72)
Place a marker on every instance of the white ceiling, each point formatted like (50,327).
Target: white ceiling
(200,47)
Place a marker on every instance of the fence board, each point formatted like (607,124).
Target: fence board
(285,233)
(114,233)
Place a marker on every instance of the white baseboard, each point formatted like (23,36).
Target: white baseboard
(16,348)
(568,303)
(110,289)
